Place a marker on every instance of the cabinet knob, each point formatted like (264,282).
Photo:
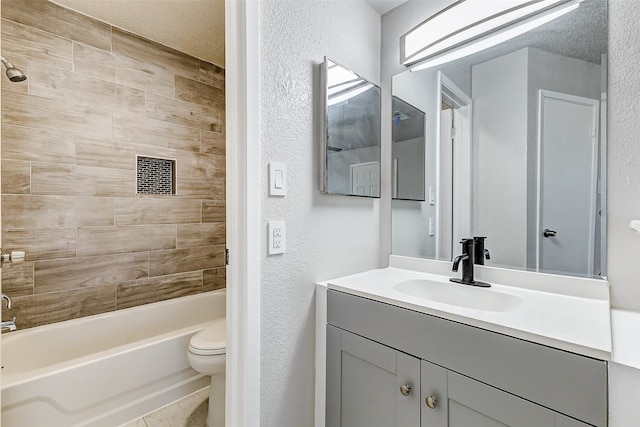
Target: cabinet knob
(405,389)
(431,402)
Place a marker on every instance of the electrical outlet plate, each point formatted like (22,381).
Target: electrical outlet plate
(277,237)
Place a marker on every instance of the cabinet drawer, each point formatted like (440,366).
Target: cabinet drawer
(565,382)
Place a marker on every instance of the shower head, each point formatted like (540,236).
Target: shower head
(14,74)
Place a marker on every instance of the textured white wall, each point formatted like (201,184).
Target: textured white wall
(623,186)
(327,236)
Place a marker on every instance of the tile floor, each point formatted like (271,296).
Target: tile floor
(188,412)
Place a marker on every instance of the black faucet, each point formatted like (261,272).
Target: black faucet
(467,259)
(481,253)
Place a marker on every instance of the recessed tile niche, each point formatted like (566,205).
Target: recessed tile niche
(155,176)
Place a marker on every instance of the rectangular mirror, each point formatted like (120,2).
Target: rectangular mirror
(351,163)
(407,151)
(515,150)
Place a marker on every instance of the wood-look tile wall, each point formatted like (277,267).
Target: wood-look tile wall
(95,97)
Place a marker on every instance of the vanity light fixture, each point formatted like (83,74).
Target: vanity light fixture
(469,26)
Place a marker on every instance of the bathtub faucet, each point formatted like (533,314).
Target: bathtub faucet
(7,299)
(9,325)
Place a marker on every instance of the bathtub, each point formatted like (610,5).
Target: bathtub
(107,369)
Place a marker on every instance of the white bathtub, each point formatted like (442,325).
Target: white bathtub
(107,369)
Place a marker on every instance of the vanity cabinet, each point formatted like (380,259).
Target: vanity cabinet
(390,366)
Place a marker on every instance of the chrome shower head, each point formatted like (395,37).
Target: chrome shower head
(14,74)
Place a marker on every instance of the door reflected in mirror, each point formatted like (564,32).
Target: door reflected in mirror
(351,163)
(529,174)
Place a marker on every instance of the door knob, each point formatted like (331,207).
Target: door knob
(405,389)
(549,233)
(431,402)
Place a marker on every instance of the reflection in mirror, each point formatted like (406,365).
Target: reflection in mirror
(352,145)
(454,167)
(536,160)
(407,151)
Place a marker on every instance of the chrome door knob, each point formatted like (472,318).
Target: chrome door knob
(431,402)
(405,389)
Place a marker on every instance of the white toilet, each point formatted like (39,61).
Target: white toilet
(207,355)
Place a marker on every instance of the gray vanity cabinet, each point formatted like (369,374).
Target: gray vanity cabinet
(372,385)
(389,366)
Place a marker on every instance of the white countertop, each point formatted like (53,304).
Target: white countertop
(576,319)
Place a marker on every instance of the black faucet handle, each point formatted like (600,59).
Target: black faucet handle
(481,252)
(467,246)
(456,261)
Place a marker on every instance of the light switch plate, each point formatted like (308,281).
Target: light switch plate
(277,237)
(277,179)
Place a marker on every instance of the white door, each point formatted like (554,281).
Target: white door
(365,179)
(567,173)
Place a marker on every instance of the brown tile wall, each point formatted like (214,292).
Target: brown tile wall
(95,97)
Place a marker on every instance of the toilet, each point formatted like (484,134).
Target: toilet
(207,355)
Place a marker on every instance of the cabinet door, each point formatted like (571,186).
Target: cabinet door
(472,403)
(364,381)
(433,395)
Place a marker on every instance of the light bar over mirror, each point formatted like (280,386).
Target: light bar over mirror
(470,26)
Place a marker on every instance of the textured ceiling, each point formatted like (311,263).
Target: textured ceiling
(195,27)
(580,34)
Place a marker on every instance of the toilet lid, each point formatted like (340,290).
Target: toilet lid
(211,340)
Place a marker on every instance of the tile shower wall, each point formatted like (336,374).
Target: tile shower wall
(95,98)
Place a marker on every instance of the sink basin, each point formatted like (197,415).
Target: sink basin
(484,299)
